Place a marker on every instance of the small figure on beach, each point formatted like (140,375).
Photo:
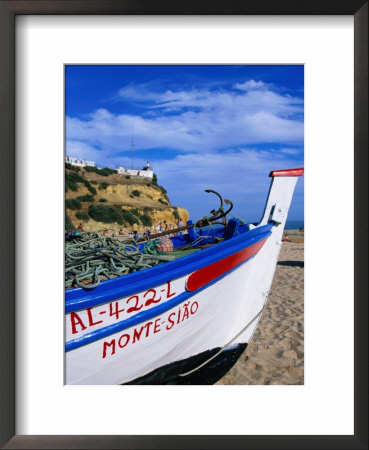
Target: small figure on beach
(165,225)
(180,224)
(286,238)
(158,228)
(147,233)
(135,230)
(121,232)
(301,229)
(171,227)
(80,227)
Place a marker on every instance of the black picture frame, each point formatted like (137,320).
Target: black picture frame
(8,12)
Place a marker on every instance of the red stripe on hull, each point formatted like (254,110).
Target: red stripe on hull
(287,173)
(209,273)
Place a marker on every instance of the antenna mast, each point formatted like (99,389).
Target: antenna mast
(132,154)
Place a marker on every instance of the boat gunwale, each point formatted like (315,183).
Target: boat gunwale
(78,298)
(140,317)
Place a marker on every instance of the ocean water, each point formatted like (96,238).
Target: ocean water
(294,224)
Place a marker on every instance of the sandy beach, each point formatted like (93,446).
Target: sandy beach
(275,354)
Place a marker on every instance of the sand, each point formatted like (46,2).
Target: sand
(275,354)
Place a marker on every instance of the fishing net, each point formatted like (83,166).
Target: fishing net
(91,258)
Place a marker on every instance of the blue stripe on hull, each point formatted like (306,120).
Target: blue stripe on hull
(145,315)
(124,324)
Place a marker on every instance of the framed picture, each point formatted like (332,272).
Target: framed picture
(123,191)
(117,32)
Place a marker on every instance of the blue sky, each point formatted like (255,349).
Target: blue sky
(201,127)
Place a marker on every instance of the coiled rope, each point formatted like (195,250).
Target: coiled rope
(91,257)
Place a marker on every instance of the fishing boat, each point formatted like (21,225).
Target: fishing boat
(187,320)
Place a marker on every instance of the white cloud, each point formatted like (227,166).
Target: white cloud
(258,96)
(205,126)
(291,151)
(250,85)
(199,120)
(82,150)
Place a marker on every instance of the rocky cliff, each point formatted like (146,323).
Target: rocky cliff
(104,200)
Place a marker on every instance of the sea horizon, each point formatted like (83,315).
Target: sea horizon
(294,224)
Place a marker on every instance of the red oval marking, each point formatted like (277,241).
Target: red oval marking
(287,173)
(209,273)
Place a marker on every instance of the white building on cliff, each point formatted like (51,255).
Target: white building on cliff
(79,162)
(147,173)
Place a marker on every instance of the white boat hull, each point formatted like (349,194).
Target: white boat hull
(223,313)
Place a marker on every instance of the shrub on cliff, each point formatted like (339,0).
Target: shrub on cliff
(86,198)
(72,203)
(68,224)
(134,216)
(71,180)
(89,187)
(146,220)
(103,185)
(104,172)
(82,215)
(106,214)
(71,167)
(129,217)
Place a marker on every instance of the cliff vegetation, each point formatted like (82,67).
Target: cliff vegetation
(102,199)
